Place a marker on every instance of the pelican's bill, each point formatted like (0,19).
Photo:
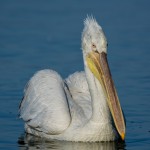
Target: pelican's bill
(98,64)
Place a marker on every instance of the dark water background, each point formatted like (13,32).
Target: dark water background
(40,34)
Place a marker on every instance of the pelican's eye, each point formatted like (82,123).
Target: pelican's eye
(94,47)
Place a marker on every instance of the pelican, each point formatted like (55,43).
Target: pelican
(83,107)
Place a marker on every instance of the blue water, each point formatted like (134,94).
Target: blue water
(40,34)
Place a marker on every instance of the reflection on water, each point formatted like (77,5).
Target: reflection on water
(31,142)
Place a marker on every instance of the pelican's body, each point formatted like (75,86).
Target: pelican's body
(82,107)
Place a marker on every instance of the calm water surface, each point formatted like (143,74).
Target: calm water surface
(36,35)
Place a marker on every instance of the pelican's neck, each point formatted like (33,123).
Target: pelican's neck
(100,110)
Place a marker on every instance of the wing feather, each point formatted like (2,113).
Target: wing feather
(79,90)
(45,105)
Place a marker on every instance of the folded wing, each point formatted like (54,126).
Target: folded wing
(45,106)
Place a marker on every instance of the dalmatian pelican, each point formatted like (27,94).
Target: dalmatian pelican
(83,107)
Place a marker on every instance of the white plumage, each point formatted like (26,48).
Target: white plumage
(74,109)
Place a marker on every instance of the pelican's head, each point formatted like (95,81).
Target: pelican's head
(94,45)
(93,38)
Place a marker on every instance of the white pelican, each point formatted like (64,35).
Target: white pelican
(85,106)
